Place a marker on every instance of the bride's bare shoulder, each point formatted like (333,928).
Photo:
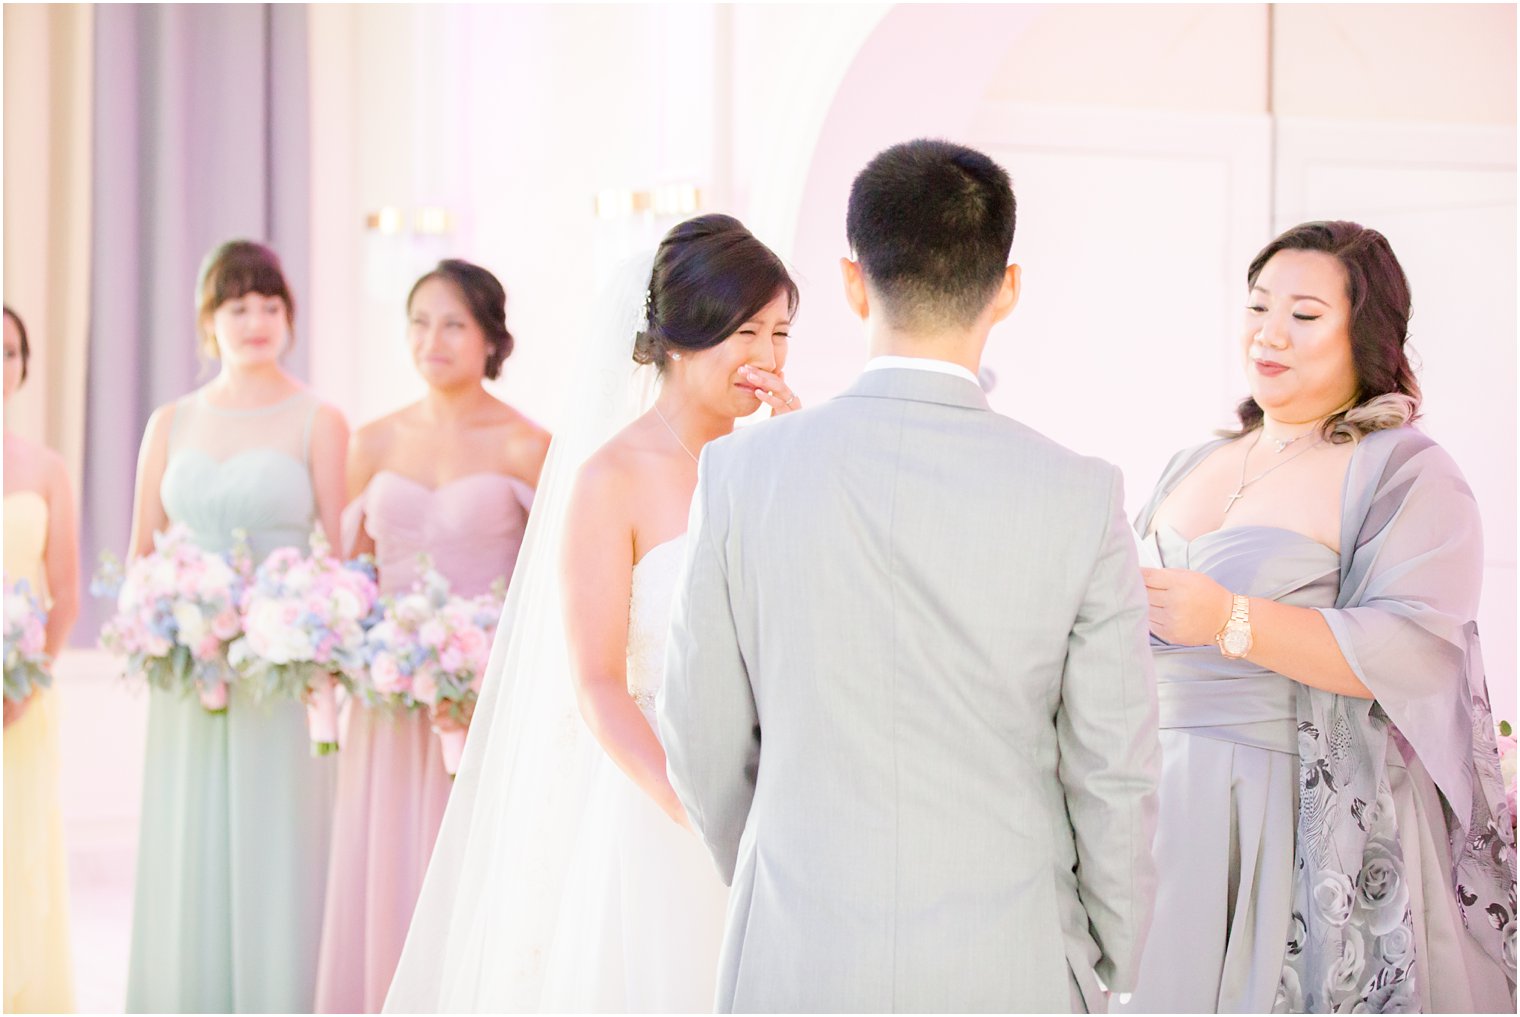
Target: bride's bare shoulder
(622,459)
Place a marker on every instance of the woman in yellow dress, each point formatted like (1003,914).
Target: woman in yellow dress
(42,547)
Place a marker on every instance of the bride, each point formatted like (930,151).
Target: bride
(565,877)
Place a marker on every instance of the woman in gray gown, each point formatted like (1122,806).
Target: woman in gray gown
(1333,832)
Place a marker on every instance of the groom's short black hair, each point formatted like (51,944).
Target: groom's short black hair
(931,223)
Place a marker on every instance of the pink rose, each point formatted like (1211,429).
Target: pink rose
(226,625)
(425,686)
(34,637)
(384,674)
(474,646)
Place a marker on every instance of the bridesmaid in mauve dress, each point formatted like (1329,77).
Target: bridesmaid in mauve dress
(451,476)
(231,861)
(42,548)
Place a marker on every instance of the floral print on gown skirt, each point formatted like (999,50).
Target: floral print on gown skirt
(1229,798)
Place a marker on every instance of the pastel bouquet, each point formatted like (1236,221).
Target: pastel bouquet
(430,649)
(176,614)
(304,619)
(26,661)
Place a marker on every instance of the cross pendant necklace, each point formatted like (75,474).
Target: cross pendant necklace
(1240,490)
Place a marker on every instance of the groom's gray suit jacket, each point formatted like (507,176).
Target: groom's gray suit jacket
(909,706)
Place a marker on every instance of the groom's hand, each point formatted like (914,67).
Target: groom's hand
(1186,608)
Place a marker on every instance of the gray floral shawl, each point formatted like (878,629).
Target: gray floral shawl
(1411,569)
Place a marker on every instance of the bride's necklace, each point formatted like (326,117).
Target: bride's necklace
(673,434)
(1244,462)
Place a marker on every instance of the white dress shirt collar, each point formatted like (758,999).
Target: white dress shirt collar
(922,364)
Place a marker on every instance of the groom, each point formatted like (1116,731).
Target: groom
(908,700)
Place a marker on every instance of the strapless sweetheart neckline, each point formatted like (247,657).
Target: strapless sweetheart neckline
(479,476)
(660,546)
(1241,529)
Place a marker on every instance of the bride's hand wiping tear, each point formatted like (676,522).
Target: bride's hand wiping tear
(771,388)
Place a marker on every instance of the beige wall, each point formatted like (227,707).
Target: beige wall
(47,215)
(1441,63)
(1204,59)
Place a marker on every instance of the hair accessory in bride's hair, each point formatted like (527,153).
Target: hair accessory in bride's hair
(644,316)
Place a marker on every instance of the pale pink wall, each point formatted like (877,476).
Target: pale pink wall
(922,72)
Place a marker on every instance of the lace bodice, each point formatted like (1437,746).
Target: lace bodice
(649,607)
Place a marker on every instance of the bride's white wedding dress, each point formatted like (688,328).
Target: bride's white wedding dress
(641,920)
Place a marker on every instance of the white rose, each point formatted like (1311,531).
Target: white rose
(192,627)
(346,603)
(1333,896)
(1345,975)
(413,609)
(1381,887)
(162,576)
(269,637)
(1290,995)
(1396,947)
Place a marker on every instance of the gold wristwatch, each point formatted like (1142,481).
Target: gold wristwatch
(1235,638)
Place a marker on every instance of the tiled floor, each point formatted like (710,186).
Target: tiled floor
(104,721)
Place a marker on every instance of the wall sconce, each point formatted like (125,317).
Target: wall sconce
(388,220)
(667,199)
(429,220)
(432,220)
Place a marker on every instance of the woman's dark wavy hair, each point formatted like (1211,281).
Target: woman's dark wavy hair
(710,276)
(487,300)
(1387,394)
(26,347)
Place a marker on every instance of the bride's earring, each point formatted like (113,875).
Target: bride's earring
(675,356)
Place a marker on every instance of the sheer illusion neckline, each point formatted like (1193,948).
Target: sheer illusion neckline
(182,453)
(251,411)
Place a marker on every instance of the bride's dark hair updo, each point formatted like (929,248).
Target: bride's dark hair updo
(710,276)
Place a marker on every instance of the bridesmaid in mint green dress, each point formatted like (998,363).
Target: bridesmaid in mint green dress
(231,865)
